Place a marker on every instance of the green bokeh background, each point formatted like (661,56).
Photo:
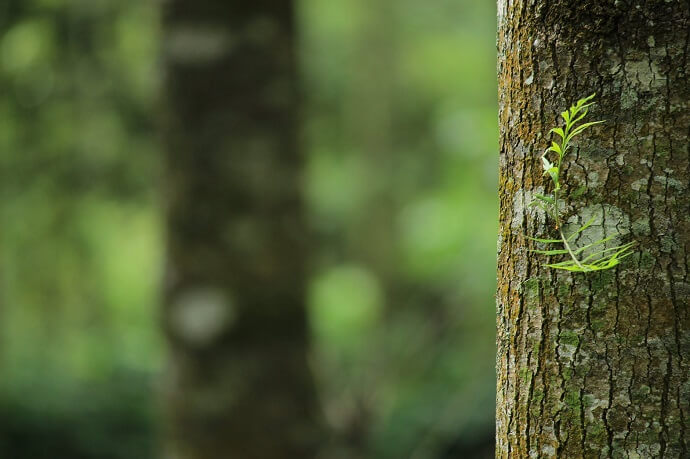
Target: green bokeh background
(400,140)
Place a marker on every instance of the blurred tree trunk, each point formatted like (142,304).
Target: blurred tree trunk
(370,112)
(234,316)
(598,364)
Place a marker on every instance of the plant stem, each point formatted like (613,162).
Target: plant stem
(570,251)
(555,210)
(558,224)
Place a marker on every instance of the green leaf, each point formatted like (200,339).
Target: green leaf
(545,241)
(553,172)
(556,148)
(593,244)
(546,164)
(549,252)
(620,250)
(600,258)
(567,265)
(582,228)
(584,113)
(582,103)
(593,256)
(558,131)
(586,106)
(541,197)
(586,99)
(581,128)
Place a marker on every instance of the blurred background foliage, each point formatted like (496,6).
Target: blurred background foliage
(400,137)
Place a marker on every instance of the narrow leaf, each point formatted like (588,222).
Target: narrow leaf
(553,172)
(569,267)
(546,164)
(557,148)
(545,241)
(581,128)
(541,197)
(580,229)
(584,113)
(549,252)
(558,131)
(593,244)
(582,102)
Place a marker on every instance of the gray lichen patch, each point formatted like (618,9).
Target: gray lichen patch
(645,72)
(501,10)
(520,203)
(667,244)
(640,227)
(640,184)
(523,207)
(594,406)
(593,179)
(629,98)
(567,351)
(608,221)
(669,182)
(200,315)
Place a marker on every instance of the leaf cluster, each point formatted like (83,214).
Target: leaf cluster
(595,256)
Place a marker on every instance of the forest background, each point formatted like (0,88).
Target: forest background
(400,137)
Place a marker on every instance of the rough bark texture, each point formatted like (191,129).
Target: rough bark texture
(234,316)
(596,365)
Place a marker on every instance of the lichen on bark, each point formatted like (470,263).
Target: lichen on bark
(596,365)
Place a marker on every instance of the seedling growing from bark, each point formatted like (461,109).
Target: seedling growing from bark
(595,256)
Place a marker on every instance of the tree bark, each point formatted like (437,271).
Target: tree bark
(234,314)
(596,364)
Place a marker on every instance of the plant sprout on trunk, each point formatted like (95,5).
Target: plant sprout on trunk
(600,256)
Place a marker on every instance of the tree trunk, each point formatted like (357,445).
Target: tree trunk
(596,364)
(234,315)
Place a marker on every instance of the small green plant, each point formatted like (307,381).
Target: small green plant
(595,256)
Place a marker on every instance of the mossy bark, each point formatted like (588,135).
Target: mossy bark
(239,385)
(596,364)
